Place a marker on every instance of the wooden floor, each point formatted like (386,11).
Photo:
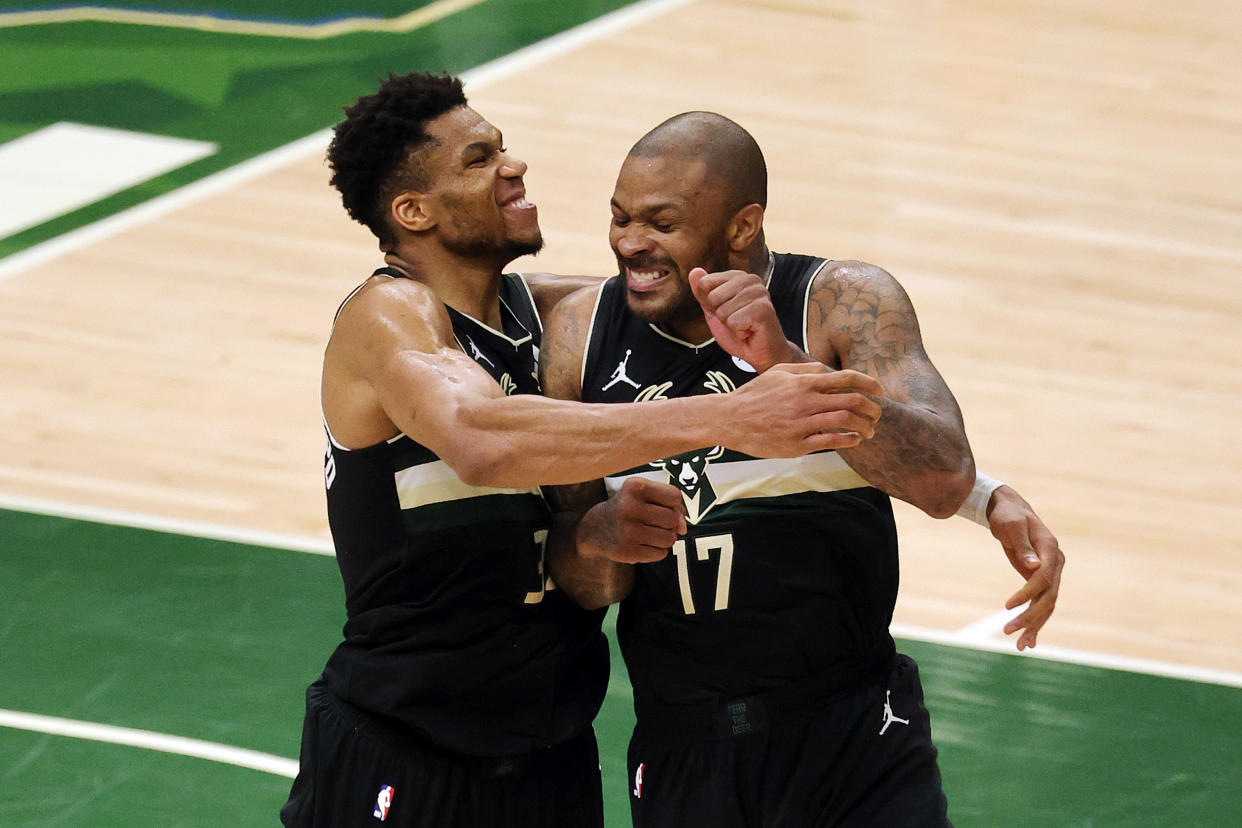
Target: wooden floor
(1057,184)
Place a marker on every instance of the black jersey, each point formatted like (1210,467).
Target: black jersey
(453,632)
(788,568)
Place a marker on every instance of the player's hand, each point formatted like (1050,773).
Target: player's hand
(791,410)
(741,317)
(1035,554)
(636,525)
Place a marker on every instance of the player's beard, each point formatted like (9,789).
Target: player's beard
(477,244)
(488,237)
(681,308)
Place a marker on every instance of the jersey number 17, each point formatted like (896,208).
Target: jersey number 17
(703,547)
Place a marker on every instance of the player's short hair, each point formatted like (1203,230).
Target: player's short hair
(729,151)
(373,154)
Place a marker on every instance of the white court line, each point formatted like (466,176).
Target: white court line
(66,166)
(173,526)
(476,78)
(985,628)
(154,208)
(149,740)
(1205,675)
(967,637)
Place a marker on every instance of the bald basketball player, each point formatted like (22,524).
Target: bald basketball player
(464,688)
(756,595)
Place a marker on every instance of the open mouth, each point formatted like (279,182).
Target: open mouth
(518,203)
(644,279)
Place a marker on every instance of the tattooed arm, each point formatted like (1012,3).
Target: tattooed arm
(595,539)
(591,580)
(859,317)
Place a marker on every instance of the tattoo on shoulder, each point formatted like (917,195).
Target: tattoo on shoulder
(867,316)
(563,349)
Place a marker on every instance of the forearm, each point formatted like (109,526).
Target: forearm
(527,440)
(918,456)
(591,580)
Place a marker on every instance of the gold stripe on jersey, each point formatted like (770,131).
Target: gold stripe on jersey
(436,482)
(741,479)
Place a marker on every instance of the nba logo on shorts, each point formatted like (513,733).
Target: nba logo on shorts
(638,780)
(382,803)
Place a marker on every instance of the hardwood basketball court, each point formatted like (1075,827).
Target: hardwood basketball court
(1055,184)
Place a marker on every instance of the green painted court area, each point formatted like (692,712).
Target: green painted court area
(217,641)
(248,94)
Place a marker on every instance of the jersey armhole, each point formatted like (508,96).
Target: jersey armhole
(530,298)
(590,339)
(806,307)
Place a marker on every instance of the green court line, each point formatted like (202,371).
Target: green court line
(217,641)
(408,22)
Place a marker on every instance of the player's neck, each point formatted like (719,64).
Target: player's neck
(466,286)
(689,326)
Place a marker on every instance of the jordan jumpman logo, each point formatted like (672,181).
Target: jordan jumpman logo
(478,355)
(889,718)
(618,375)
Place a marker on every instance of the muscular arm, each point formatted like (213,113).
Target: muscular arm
(859,317)
(392,366)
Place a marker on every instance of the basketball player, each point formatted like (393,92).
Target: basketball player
(766,684)
(464,689)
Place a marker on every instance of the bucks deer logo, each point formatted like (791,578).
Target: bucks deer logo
(688,472)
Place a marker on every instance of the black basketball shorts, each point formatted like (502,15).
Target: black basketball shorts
(863,759)
(356,773)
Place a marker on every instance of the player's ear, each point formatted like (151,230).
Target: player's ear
(744,228)
(413,211)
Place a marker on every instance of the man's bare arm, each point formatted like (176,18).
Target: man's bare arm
(392,365)
(1036,555)
(861,318)
(591,579)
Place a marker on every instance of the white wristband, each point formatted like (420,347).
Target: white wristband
(975,506)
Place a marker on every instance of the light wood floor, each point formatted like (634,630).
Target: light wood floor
(1057,184)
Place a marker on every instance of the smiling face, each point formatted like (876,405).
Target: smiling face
(669,216)
(475,190)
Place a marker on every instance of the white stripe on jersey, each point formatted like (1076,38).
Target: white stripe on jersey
(740,479)
(436,482)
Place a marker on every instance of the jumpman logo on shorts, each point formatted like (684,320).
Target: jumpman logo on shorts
(889,718)
(478,355)
(619,375)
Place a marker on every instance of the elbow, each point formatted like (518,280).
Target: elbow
(474,471)
(947,492)
(592,601)
(488,463)
(597,596)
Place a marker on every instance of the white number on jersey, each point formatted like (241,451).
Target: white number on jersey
(545,581)
(329,467)
(724,570)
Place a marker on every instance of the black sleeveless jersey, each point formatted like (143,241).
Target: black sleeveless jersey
(452,630)
(788,568)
